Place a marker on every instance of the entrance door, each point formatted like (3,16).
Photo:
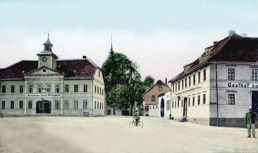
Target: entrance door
(185,108)
(43,107)
(255,101)
(162,108)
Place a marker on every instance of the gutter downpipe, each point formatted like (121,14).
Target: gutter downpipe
(217,96)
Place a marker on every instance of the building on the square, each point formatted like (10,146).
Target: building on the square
(150,97)
(164,105)
(220,86)
(72,87)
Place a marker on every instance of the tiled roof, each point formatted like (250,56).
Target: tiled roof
(232,48)
(71,68)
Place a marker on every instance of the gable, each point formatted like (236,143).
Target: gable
(43,71)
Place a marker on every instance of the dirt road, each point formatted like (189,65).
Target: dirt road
(112,135)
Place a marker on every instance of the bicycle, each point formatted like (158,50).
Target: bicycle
(133,124)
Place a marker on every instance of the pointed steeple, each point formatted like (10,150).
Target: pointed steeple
(48,45)
(111,49)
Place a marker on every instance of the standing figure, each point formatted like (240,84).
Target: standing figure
(250,119)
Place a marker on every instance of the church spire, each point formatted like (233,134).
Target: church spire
(111,49)
(48,45)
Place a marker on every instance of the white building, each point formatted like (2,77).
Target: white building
(50,86)
(220,86)
(164,105)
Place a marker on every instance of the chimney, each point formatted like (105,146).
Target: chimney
(231,32)
(166,81)
(215,42)
(84,57)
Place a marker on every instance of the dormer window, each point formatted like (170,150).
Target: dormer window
(160,89)
(44,70)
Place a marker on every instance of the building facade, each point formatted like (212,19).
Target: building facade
(220,86)
(50,86)
(150,97)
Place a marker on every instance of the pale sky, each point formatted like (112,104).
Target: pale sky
(161,36)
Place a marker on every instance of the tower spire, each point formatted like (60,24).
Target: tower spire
(111,49)
(48,45)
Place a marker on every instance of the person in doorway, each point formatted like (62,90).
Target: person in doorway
(250,119)
(136,117)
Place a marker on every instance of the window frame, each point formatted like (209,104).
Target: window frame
(234,98)
(76,88)
(231,77)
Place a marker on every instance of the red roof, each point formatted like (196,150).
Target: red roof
(70,68)
(232,48)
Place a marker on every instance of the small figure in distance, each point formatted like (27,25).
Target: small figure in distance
(136,117)
(250,119)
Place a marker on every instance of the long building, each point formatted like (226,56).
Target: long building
(49,86)
(220,86)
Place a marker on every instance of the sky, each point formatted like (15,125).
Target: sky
(160,36)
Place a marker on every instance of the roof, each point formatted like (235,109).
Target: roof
(70,68)
(232,48)
(159,83)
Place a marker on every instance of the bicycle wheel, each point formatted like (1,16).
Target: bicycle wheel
(131,124)
(140,124)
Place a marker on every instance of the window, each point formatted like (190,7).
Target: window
(254,74)
(194,79)
(66,104)
(231,99)
(98,90)
(189,101)
(193,101)
(3,89)
(204,74)
(172,104)
(66,88)
(185,82)
(12,88)
(153,98)
(84,104)
(21,89)
(3,104)
(199,99)
(178,85)
(204,98)
(30,105)
(95,89)
(44,70)
(85,88)
(102,92)
(21,104)
(99,74)
(30,88)
(48,88)
(57,88)
(167,105)
(57,104)
(178,104)
(76,104)
(231,74)
(39,89)
(160,89)
(189,81)
(199,77)
(75,88)
(12,105)
(95,105)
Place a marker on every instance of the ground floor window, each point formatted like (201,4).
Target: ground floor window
(76,104)
(66,104)
(3,104)
(57,104)
(85,104)
(21,104)
(146,108)
(30,105)
(231,99)
(167,106)
(193,101)
(12,105)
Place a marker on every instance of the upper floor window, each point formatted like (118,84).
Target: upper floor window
(199,77)
(231,99)
(66,88)
(98,90)
(48,88)
(57,88)
(167,105)
(153,98)
(160,89)
(39,88)
(21,89)
(231,74)
(95,89)
(185,82)
(85,88)
(254,74)
(30,88)
(189,81)
(3,89)
(193,101)
(199,99)
(204,98)
(189,102)
(99,74)
(194,79)
(75,88)
(182,83)
(12,88)
(178,85)
(204,74)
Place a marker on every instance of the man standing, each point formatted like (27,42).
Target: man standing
(250,119)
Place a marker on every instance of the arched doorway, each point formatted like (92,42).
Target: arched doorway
(162,108)
(43,106)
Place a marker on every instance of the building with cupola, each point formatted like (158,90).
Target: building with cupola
(52,86)
(220,86)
